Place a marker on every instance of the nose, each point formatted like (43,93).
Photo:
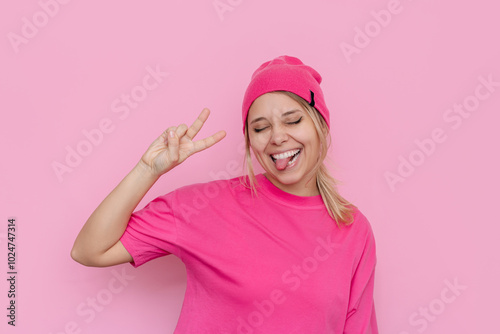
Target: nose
(278,135)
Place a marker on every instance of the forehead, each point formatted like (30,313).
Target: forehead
(274,103)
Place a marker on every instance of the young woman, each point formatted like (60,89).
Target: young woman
(278,252)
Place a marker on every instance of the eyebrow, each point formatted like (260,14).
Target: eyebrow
(283,115)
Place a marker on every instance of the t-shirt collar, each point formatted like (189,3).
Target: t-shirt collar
(275,193)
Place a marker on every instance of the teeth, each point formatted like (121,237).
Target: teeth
(285,154)
(293,159)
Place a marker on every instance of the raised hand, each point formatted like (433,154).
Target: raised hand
(176,144)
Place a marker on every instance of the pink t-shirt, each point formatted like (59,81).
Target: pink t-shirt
(275,263)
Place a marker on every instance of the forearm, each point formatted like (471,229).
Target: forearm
(107,223)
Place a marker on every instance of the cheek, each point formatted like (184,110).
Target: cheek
(258,143)
(315,145)
(308,135)
(258,155)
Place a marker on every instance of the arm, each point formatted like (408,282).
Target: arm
(98,243)
(361,317)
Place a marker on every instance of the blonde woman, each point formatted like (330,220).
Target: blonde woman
(277,252)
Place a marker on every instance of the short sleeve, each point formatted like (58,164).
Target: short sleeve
(361,318)
(152,232)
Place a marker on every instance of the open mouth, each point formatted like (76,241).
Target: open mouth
(285,159)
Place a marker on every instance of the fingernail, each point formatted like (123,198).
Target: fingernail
(171,134)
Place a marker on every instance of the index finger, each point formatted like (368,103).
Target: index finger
(202,144)
(198,123)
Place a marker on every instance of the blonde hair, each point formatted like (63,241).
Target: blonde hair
(339,209)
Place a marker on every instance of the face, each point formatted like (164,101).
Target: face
(285,142)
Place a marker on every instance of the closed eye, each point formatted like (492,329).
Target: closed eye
(259,130)
(297,121)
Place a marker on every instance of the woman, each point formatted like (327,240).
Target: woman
(278,252)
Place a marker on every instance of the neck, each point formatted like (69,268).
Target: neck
(307,187)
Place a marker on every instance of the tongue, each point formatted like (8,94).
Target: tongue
(281,163)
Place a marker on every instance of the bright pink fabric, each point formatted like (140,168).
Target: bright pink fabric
(276,263)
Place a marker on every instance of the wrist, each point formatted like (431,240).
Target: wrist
(146,171)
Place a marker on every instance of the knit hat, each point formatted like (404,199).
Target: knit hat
(288,74)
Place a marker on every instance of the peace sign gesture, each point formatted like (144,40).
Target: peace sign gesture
(176,144)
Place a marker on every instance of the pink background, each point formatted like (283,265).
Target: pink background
(434,227)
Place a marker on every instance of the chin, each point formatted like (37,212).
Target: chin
(287,178)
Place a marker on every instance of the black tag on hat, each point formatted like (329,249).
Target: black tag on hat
(312,103)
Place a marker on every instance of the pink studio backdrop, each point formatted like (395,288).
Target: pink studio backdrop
(414,91)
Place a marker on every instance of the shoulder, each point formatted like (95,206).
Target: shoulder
(211,189)
(361,227)
(359,240)
(359,219)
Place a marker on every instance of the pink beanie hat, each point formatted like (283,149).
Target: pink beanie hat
(288,74)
